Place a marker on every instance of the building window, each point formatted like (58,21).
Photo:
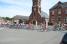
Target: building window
(59,11)
(34,9)
(34,2)
(65,11)
(39,11)
(59,19)
(52,12)
(65,19)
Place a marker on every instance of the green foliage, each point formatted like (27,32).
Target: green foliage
(7,18)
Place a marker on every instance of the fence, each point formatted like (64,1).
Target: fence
(26,26)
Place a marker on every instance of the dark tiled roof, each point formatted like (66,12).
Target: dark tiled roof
(21,17)
(43,14)
(65,4)
(61,4)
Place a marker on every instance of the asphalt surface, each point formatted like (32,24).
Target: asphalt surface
(30,37)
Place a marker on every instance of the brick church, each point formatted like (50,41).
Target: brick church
(58,13)
(36,16)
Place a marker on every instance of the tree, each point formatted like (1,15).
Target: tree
(7,18)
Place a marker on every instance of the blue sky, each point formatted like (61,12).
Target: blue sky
(11,8)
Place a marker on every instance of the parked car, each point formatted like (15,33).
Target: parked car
(65,26)
(64,39)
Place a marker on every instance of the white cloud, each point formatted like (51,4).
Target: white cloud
(18,2)
(23,7)
(13,12)
(47,4)
(18,7)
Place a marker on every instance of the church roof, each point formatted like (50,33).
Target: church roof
(44,14)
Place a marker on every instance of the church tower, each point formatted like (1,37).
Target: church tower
(36,12)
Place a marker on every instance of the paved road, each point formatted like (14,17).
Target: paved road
(29,37)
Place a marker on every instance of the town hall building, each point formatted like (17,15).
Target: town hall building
(58,13)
